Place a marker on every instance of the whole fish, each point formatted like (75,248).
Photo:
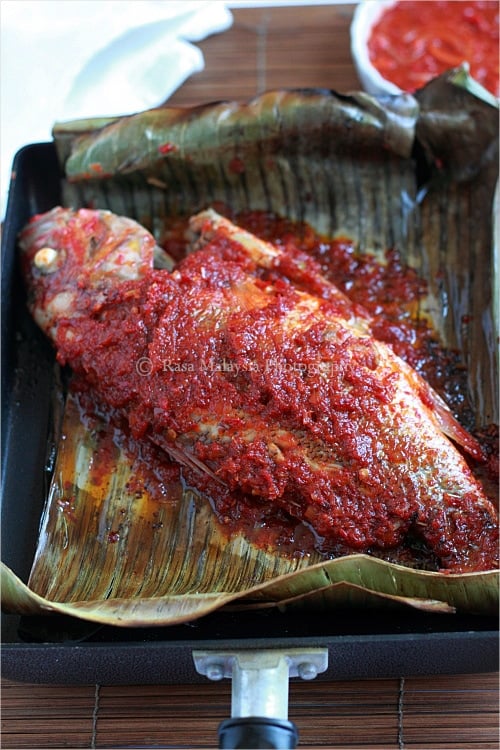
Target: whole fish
(248,367)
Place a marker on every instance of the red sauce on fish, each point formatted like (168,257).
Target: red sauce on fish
(414,42)
(389,291)
(136,312)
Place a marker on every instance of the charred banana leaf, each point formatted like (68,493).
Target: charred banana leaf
(414,173)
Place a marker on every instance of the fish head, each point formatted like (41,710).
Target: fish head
(67,253)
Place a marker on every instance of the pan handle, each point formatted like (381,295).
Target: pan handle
(259,697)
(257,732)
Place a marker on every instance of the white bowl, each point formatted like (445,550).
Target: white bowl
(366,15)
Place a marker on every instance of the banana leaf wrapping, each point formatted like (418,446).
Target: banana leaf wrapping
(417,173)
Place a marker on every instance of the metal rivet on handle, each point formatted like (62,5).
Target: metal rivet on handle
(215,671)
(307,670)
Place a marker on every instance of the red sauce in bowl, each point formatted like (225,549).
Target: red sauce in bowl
(414,42)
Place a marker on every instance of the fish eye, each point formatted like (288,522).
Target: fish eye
(46,260)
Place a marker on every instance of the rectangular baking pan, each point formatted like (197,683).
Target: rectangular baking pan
(56,649)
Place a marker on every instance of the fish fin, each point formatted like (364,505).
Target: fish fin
(442,414)
(162,260)
(454,430)
(185,459)
(203,227)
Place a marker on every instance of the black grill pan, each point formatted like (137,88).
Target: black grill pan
(56,649)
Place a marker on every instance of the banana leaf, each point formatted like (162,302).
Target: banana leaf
(111,554)
(416,173)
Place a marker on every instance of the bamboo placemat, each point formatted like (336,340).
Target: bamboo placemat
(270,48)
(266,48)
(458,712)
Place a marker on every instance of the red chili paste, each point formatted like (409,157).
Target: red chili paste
(414,42)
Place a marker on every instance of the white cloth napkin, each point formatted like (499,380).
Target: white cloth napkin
(66,59)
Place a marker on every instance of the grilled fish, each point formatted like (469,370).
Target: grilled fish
(247,366)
